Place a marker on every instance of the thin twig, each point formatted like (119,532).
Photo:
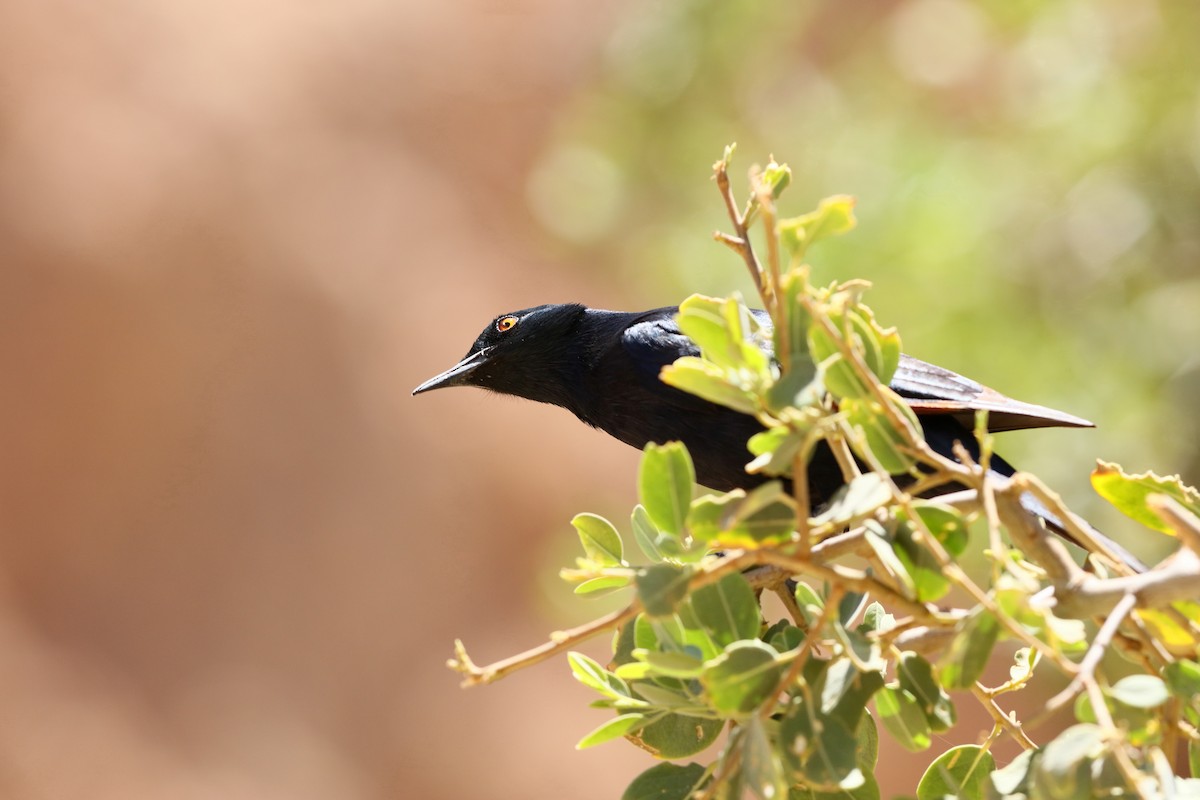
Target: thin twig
(1087,666)
(1010,725)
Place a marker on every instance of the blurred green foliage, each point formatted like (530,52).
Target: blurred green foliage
(1027,175)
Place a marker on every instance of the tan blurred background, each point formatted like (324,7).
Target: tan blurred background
(234,551)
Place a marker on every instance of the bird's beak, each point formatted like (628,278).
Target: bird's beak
(456,375)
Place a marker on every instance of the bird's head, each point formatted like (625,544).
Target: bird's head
(529,353)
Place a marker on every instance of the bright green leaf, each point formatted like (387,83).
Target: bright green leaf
(857,499)
(916,676)
(594,676)
(665,480)
(903,718)
(605,583)
(1128,492)
(601,542)
(960,772)
(833,217)
(728,609)
(710,382)
(646,533)
(742,678)
(672,663)
(970,650)
(661,588)
(614,728)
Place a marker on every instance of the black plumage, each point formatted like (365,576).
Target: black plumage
(603,366)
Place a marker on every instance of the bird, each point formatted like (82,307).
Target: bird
(604,367)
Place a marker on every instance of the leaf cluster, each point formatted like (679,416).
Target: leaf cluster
(883,629)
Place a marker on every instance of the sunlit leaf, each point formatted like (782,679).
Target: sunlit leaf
(970,650)
(833,216)
(960,772)
(661,588)
(613,729)
(594,676)
(742,678)
(601,541)
(1128,493)
(665,480)
(728,609)
(709,382)
(903,718)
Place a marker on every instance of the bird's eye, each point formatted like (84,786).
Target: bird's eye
(505,323)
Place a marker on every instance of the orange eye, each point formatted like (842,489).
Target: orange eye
(505,323)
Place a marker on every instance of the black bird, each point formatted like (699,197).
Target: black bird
(603,366)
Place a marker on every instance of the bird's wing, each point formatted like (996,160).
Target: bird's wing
(653,340)
(930,389)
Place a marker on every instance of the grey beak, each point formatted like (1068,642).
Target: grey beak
(456,375)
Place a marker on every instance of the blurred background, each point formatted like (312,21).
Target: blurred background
(234,552)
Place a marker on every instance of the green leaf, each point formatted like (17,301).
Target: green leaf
(864,651)
(929,580)
(742,678)
(867,737)
(1013,778)
(878,540)
(594,676)
(1140,691)
(662,697)
(1128,493)
(767,514)
(661,588)
(776,449)
(844,690)
(646,533)
(605,583)
(840,377)
(677,735)
(665,479)
(724,330)
(623,644)
(833,217)
(1183,679)
(710,382)
(916,676)
(876,619)
(709,514)
(673,664)
(727,609)
(811,604)
(820,749)
(903,718)
(1062,769)
(614,728)
(885,441)
(945,523)
(960,772)
(666,782)
(601,542)
(859,498)
(762,770)
(970,650)
(776,177)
